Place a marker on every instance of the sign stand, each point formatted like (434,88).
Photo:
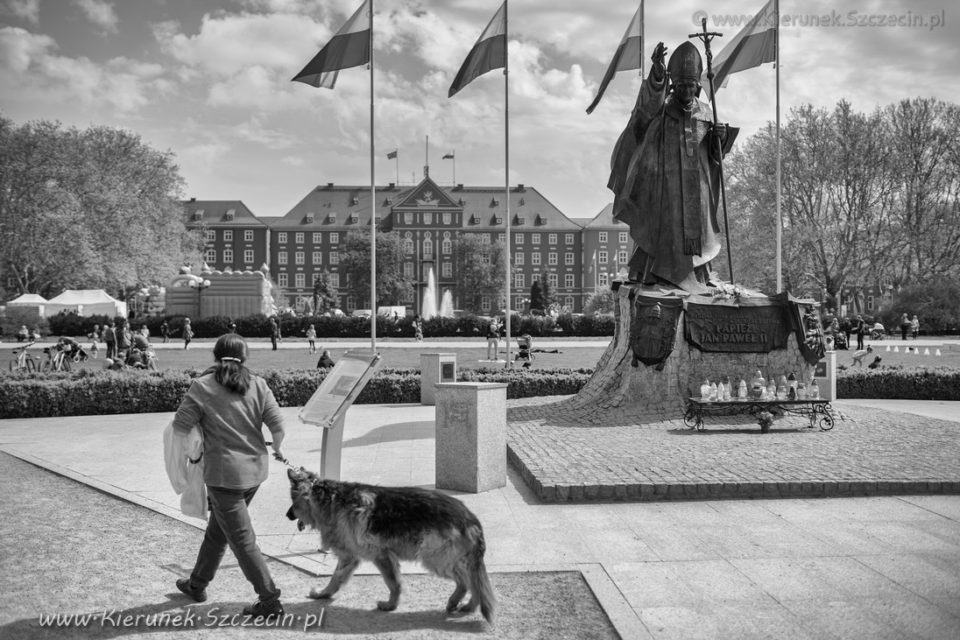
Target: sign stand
(327,407)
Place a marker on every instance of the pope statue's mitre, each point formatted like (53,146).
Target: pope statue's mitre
(685,64)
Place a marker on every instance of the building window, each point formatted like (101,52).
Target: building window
(602,257)
(446,270)
(281,257)
(869,303)
(485,239)
(447,217)
(334,257)
(299,237)
(317,257)
(552,279)
(519,281)
(623,237)
(248,235)
(428,248)
(228,235)
(282,237)
(408,217)
(298,257)
(299,280)
(535,259)
(248,256)
(334,237)
(552,259)
(211,235)
(408,270)
(602,280)
(408,244)
(446,247)
(228,256)
(334,280)
(568,281)
(282,280)
(603,236)
(621,257)
(568,258)
(568,238)
(535,238)
(518,238)
(317,237)
(427,217)
(552,238)
(568,302)
(210,256)
(485,303)
(518,258)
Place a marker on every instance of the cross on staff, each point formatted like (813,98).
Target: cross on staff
(706,37)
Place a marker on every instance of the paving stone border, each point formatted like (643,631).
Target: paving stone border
(579,455)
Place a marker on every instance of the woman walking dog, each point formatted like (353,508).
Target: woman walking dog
(230,406)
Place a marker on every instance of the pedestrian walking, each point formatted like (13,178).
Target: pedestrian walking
(165,331)
(230,405)
(23,334)
(861,328)
(904,326)
(915,326)
(418,328)
(312,338)
(274,332)
(110,339)
(187,333)
(493,340)
(94,339)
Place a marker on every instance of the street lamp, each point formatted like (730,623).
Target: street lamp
(199,285)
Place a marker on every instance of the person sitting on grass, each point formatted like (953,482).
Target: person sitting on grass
(325,361)
(858,356)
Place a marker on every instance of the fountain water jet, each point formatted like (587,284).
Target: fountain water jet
(428,308)
(446,304)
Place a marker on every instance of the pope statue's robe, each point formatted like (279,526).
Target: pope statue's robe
(665,176)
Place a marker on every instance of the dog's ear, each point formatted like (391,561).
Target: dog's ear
(295,475)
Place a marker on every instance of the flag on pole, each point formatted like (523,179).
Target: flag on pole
(754,45)
(626,57)
(392,154)
(489,52)
(349,47)
(448,156)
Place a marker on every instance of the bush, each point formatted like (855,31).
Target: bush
(913,383)
(936,304)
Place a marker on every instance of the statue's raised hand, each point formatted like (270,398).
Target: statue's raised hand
(659,54)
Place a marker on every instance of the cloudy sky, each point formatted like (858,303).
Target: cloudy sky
(210,81)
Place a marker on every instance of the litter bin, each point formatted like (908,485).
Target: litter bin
(435,368)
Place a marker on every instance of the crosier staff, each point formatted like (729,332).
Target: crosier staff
(706,37)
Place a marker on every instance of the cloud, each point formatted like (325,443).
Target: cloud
(100,13)
(32,72)
(28,10)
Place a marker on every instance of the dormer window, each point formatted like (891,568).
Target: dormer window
(310,217)
(494,202)
(354,200)
(474,219)
(198,215)
(519,220)
(231,214)
(331,218)
(497,220)
(540,220)
(354,218)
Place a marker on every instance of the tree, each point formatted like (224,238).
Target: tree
(546,291)
(479,269)
(536,296)
(601,301)
(88,208)
(393,287)
(324,294)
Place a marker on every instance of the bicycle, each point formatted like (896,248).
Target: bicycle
(24,361)
(59,359)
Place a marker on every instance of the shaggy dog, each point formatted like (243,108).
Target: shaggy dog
(387,524)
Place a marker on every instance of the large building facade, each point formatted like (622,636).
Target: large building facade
(574,256)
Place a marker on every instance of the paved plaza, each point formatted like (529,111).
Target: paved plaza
(859,567)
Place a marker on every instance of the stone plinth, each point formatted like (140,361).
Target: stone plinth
(471,436)
(619,383)
(434,369)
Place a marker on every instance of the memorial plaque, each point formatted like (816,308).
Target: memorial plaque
(339,388)
(447,372)
(737,329)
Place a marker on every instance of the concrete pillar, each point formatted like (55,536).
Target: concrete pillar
(471,436)
(434,369)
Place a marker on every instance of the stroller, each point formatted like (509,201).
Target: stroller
(524,349)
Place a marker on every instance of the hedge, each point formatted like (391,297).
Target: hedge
(84,392)
(258,326)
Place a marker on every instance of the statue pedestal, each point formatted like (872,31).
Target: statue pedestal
(659,391)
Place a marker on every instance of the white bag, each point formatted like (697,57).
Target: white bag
(183,457)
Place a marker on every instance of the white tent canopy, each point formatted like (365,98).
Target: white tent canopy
(29,299)
(86,302)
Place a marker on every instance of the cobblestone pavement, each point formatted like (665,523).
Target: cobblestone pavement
(565,455)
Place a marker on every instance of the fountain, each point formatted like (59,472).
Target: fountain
(446,304)
(428,308)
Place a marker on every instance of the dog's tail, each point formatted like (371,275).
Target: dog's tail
(480,587)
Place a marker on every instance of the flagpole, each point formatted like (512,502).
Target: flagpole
(454,158)
(506,163)
(397,158)
(643,39)
(779,260)
(373,208)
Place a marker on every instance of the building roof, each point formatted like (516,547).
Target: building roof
(219,213)
(28,299)
(348,206)
(605,220)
